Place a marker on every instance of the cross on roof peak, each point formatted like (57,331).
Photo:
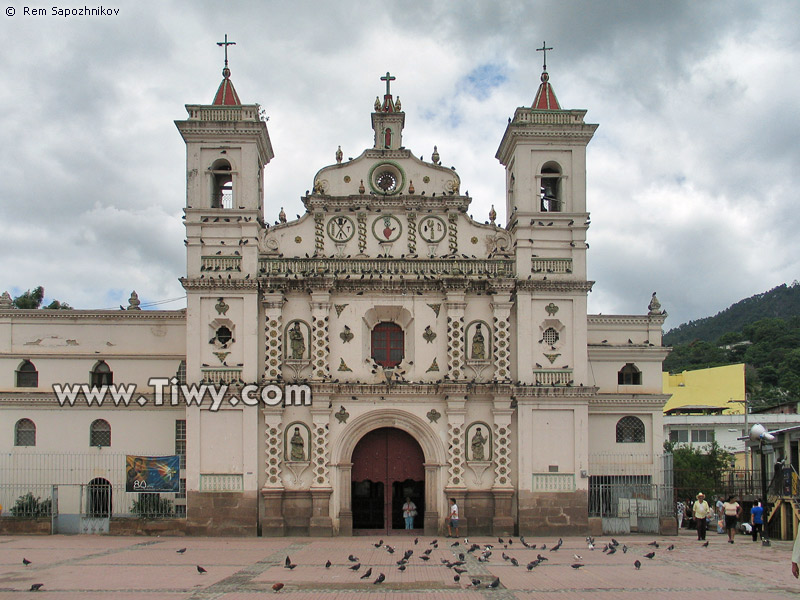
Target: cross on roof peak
(225,45)
(388,78)
(544,49)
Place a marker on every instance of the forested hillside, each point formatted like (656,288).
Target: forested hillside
(747,332)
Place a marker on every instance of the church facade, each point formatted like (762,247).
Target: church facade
(404,350)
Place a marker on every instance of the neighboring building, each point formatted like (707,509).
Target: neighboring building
(446,358)
(715,390)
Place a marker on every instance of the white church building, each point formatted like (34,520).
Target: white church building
(443,357)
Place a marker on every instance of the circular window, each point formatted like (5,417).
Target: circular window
(386,181)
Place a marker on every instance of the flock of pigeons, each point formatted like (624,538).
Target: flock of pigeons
(483,553)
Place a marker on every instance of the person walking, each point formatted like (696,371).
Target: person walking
(757,519)
(732,512)
(680,509)
(409,512)
(720,519)
(452,521)
(701,510)
(796,556)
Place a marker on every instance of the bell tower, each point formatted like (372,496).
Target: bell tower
(388,119)
(227,148)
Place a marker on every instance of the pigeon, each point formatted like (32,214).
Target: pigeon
(367,574)
(614,542)
(515,562)
(328,565)
(379,544)
(201,569)
(650,555)
(25,561)
(181,551)
(576,566)
(577,557)
(351,558)
(494,584)
(456,578)
(425,557)
(434,542)
(654,544)
(416,541)
(277,587)
(475,582)
(401,567)
(454,544)
(705,545)
(671,547)
(459,570)
(355,567)
(287,562)
(612,550)
(381,578)
(637,564)
(290,566)
(624,549)
(35,587)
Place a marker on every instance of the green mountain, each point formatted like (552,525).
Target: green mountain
(780,302)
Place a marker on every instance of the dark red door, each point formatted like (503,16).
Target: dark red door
(387,468)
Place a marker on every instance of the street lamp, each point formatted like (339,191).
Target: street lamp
(760,434)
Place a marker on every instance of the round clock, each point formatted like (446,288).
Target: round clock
(432,229)
(341,229)
(386,181)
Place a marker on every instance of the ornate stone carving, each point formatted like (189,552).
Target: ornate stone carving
(478,351)
(342,415)
(452,230)
(297,342)
(477,443)
(282,216)
(273,340)
(362,227)
(339,155)
(434,367)
(297,450)
(552,357)
(318,452)
(429,335)
(654,307)
(551,309)
(455,450)
(433,415)
(273,449)
(492,215)
(5,301)
(435,308)
(346,336)
(221,307)
(339,308)
(133,301)
(319,233)
(221,356)
(411,219)
(343,366)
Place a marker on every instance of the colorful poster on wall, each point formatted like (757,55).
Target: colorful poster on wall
(152,473)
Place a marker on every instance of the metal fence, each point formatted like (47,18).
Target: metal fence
(26,501)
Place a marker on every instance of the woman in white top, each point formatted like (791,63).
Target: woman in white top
(409,512)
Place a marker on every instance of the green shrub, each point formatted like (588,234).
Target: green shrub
(152,506)
(29,506)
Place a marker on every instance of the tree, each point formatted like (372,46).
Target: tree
(697,471)
(32,299)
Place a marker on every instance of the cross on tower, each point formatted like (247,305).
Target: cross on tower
(225,44)
(544,49)
(388,79)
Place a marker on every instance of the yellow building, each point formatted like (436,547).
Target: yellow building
(706,390)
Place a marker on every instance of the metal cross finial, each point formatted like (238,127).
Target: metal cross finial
(388,79)
(225,44)
(544,49)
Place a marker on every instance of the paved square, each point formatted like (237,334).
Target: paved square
(131,568)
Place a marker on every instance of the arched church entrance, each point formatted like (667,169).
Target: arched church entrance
(388,466)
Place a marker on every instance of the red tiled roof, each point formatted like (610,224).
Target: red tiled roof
(545,96)
(226,94)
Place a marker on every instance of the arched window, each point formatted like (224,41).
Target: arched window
(630,430)
(27,375)
(551,188)
(101,375)
(222,184)
(25,433)
(387,344)
(629,375)
(98,498)
(100,433)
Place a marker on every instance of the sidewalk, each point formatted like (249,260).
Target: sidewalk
(94,567)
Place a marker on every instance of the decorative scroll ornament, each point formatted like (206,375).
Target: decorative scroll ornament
(435,308)
(433,415)
(222,307)
(342,415)
(551,309)
(429,335)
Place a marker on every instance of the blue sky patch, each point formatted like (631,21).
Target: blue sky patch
(482,79)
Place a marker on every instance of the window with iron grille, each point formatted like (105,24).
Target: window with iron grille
(25,433)
(100,433)
(387,344)
(180,440)
(181,374)
(27,375)
(182,492)
(629,375)
(101,375)
(630,430)
(550,336)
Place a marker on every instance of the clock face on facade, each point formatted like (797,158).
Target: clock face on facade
(432,229)
(386,181)
(341,229)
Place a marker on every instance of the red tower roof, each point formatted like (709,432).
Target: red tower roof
(545,96)
(226,93)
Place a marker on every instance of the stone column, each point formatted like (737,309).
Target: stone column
(503,488)
(272,522)
(455,305)
(431,520)
(346,506)
(321,523)
(320,354)
(456,456)
(273,336)
(501,340)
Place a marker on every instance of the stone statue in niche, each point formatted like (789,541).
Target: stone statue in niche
(478,345)
(478,440)
(296,341)
(298,446)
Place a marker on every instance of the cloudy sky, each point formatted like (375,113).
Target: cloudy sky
(693,174)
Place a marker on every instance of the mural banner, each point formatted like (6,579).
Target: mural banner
(152,473)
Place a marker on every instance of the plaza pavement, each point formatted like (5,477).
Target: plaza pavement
(147,568)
